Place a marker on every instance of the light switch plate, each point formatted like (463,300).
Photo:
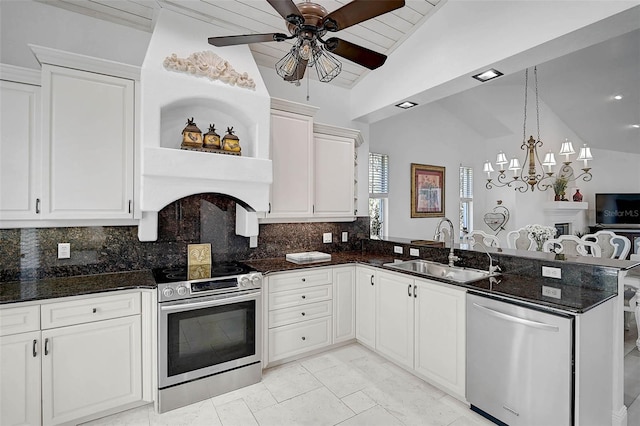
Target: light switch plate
(64,250)
(345,237)
(550,272)
(326,237)
(414,252)
(397,249)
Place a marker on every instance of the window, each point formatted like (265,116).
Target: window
(466,200)
(378,193)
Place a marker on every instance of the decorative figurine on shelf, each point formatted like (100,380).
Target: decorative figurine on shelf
(230,142)
(577,196)
(191,135)
(211,139)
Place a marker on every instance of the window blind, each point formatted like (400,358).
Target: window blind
(466,182)
(378,175)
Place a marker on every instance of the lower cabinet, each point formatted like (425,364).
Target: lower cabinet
(309,310)
(80,357)
(366,305)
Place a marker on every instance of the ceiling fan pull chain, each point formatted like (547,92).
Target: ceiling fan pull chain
(308,87)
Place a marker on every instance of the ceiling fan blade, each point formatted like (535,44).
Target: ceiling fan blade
(358,54)
(288,10)
(245,39)
(358,11)
(298,73)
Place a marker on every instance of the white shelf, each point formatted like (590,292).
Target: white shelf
(566,206)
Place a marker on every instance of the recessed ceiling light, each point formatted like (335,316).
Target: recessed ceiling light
(487,75)
(406,105)
(636,126)
(617,97)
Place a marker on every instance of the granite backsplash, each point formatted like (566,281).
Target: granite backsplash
(31,253)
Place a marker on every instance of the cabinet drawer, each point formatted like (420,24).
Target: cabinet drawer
(294,280)
(301,296)
(294,339)
(300,313)
(88,310)
(19,320)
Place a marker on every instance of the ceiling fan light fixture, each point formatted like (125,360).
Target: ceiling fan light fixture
(487,75)
(286,66)
(326,65)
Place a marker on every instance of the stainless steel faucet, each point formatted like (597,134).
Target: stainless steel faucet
(452,257)
(492,268)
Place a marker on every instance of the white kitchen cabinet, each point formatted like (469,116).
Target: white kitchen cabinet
(91,367)
(69,359)
(313,167)
(366,306)
(344,304)
(292,159)
(334,175)
(440,326)
(20,151)
(394,317)
(88,145)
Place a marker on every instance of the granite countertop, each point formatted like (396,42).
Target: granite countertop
(24,291)
(574,298)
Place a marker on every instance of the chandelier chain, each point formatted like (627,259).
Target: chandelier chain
(524,126)
(535,75)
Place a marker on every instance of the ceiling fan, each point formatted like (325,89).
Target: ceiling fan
(308,23)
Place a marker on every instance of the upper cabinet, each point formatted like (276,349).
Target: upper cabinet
(314,167)
(67,146)
(19,151)
(88,141)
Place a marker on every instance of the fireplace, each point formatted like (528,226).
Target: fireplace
(562,229)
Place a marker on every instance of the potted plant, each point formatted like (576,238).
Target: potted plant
(559,187)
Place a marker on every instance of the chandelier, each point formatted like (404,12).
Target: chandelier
(307,53)
(535,177)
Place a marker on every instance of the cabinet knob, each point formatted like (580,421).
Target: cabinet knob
(95,310)
(303,314)
(304,338)
(304,279)
(304,297)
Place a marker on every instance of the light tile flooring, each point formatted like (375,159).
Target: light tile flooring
(346,386)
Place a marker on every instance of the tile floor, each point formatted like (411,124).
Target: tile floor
(346,386)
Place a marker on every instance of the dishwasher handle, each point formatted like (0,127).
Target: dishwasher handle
(528,323)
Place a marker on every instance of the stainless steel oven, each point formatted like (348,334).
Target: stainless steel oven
(209,333)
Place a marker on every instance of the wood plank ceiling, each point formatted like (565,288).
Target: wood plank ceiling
(382,34)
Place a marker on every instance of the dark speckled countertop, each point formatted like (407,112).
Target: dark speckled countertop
(24,291)
(574,298)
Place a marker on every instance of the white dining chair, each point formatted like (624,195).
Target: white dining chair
(520,239)
(482,238)
(571,245)
(612,245)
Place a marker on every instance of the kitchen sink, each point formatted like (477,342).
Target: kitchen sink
(439,270)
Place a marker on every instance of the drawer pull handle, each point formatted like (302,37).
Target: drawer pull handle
(409,290)
(304,297)
(46,346)
(371,279)
(415,287)
(304,338)
(303,314)
(304,279)
(95,310)
(35,342)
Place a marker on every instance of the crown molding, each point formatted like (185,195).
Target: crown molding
(20,74)
(327,129)
(49,56)
(293,107)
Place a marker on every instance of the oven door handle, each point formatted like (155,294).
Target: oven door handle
(215,302)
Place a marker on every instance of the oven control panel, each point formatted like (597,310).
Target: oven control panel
(196,288)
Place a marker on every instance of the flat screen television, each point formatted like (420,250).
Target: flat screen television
(618,210)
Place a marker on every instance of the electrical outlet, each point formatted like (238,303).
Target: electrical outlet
(397,249)
(414,252)
(345,237)
(550,272)
(326,237)
(64,250)
(556,293)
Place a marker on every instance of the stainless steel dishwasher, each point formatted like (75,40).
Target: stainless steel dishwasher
(519,363)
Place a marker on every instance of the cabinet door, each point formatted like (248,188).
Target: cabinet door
(20,384)
(334,175)
(89,136)
(19,151)
(366,306)
(90,367)
(440,335)
(291,156)
(344,304)
(394,317)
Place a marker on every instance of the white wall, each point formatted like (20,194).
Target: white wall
(425,135)
(25,22)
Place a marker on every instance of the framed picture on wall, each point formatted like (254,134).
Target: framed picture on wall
(427,191)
